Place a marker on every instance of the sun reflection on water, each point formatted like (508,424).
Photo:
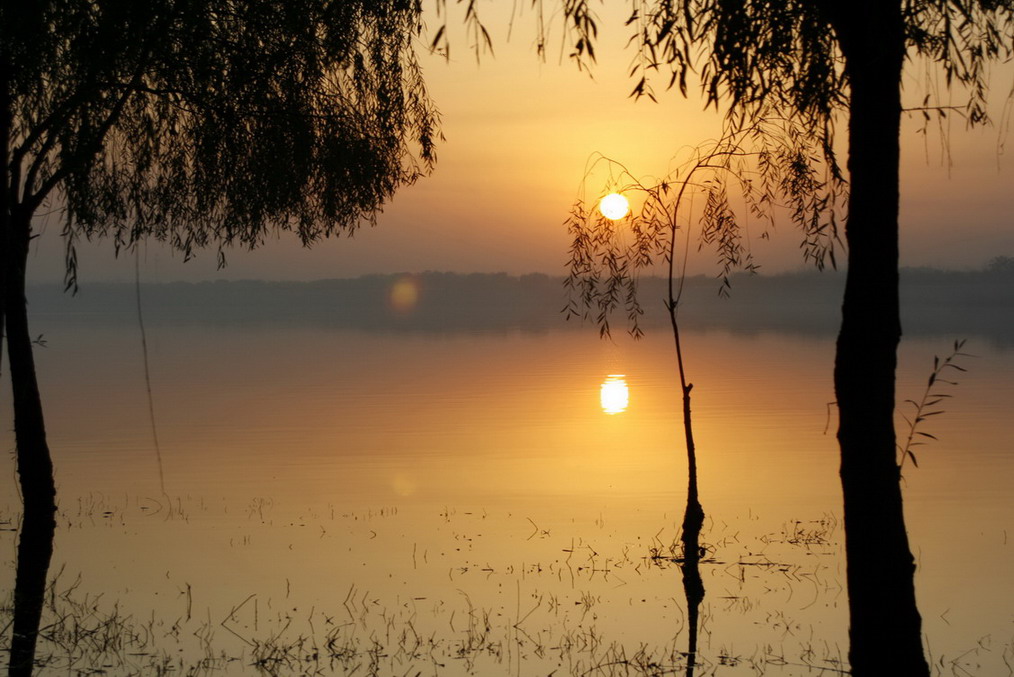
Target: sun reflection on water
(614,394)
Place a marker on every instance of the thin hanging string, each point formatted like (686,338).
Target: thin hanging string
(147,374)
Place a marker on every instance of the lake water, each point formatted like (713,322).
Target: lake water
(334,500)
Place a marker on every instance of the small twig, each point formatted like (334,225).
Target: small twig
(931,399)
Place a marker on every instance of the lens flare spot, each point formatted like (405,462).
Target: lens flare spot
(404,294)
(614,394)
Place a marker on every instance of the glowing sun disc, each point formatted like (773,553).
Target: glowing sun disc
(614,206)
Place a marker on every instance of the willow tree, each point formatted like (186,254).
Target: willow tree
(766,163)
(196,123)
(820,63)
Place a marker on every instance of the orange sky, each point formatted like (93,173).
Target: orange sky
(519,133)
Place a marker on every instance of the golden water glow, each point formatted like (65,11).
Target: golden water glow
(614,206)
(614,394)
(403,485)
(404,294)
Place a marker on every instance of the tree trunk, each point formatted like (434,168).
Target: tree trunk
(885,626)
(693,515)
(35,468)
(693,521)
(35,549)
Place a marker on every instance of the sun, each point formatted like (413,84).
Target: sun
(614,206)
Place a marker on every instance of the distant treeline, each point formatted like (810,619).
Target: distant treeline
(951,303)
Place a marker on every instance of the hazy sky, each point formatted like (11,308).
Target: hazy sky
(519,135)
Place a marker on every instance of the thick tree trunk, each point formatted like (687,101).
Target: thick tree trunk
(885,627)
(34,465)
(35,549)
(35,468)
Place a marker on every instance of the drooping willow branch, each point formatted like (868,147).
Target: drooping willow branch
(749,175)
(771,164)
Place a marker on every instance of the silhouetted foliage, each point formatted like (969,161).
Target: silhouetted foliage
(197,123)
(213,122)
(762,165)
(818,62)
(793,56)
(930,404)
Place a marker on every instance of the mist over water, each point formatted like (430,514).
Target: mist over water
(934,302)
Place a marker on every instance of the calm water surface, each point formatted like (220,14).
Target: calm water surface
(463,502)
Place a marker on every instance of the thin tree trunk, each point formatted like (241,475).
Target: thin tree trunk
(693,521)
(885,626)
(693,514)
(35,468)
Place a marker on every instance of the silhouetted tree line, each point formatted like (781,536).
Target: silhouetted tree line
(935,302)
